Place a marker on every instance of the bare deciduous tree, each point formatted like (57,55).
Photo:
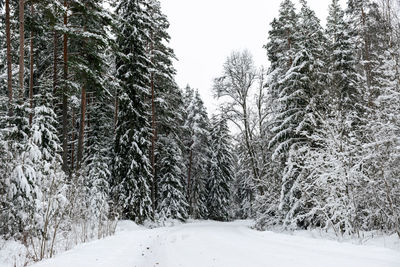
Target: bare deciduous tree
(238,77)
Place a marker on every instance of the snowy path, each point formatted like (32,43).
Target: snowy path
(213,244)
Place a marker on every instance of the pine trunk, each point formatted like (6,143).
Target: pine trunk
(21,49)
(83,118)
(64,95)
(31,71)
(55,64)
(73,141)
(9,71)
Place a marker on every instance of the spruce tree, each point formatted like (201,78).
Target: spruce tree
(299,105)
(50,201)
(97,163)
(282,42)
(170,133)
(343,78)
(172,203)
(337,132)
(221,171)
(132,174)
(197,153)
(281,49)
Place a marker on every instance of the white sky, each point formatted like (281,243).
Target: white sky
(204,32)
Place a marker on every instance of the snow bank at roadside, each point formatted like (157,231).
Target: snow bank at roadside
(15,254)
(142,246)
(12,253)
(372,238)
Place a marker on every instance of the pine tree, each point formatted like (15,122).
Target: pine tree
(221,171)
(164,91)
(87,60)
(132,174)
(3,54)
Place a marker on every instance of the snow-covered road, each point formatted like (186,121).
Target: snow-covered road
(214,244)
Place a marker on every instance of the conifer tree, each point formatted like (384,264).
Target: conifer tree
(196,124)
(132,174)
(343,78)
(172,203)
(50,201)
(281,49)
(221,171)
(170,133)
(282,42)
(336,134)
(99,155)
(299,103)
(87,60)
(165,95)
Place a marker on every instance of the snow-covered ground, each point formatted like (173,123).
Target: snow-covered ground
(215,244)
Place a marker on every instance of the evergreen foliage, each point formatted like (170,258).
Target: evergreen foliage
(197,126)
(329,97)
(221,171)
(173,204)
(96,128)
(132,175)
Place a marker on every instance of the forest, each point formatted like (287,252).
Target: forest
(94,127)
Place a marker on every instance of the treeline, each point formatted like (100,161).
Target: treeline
(321,145)
(93,127)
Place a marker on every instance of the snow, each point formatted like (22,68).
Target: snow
(12,253)
(216,244)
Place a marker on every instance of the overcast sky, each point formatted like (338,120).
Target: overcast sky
(204,32)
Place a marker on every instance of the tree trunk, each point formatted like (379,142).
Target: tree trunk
(250,150)
(116,110)
(83,115)
(31,71)
(55,62)
(9,71)
(81,127)
(261,148)
(73,141)
(64,95)
(153,144)
(21,49)
(189,178)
